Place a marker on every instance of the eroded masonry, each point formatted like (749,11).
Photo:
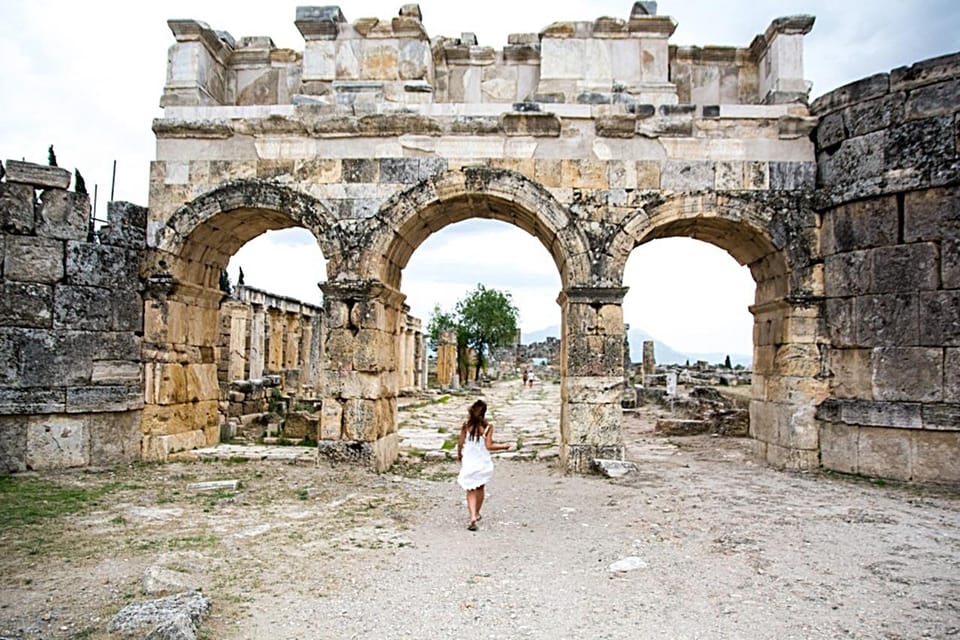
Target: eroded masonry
(594,137)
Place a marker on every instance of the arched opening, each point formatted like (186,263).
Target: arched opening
(690,334)
(442,271)
(787,380)
(203,332)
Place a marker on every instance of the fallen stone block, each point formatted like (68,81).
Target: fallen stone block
(175,617)
(214,485)
(613,468)
(675,427)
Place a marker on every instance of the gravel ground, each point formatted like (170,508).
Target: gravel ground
(710,545)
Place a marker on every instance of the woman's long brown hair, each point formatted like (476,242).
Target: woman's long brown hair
(476,420)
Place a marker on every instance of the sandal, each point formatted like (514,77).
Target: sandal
(472,526)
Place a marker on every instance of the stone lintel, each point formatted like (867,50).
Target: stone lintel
(707,54)
(587,295)
(662,26)
(362,290)
(319,23)
(531,123)
(37,175)
(790,25)
(219,43)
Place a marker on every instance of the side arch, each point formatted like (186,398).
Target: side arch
(408,218)
(775,235)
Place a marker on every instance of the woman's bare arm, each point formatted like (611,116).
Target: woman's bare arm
(491,446)
(463,436)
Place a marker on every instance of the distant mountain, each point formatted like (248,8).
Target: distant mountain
(663,353)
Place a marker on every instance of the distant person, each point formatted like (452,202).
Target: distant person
(473,452)
(530,379)
(526,376)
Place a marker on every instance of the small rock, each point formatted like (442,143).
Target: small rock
(215,485)
(172,618)
(158,580)
(629,563)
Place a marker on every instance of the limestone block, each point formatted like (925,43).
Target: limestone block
(900,415)
(37,175)
(317,170)
(950,262)
(63,215)
(355,384)
(530,124)
(791,459)
(798,426)
(99,265)
(593,389)
(331,419)
(942,98)
(830,130)
(873,115)
(31,401)
(584,174)
(847,274)
(940,318)
(839,447)
(201,382)
(851,372)
(909,267)
(298,425)
(797,360)
(885,453)
(563,59)
(764,421)
(380,61)
(860,225)
(840,318)
(935,457)
(26,305)
(857,160)
(103,398)
(729,176)
(941,417)
(594,424)
(415,59)
(116,372)
(57,442)
(157,448)
(361,170)
(683,175)
(931,214)
(16,208)
(32,259)
(791,176)
(756,175)
(320,60)
(13,444)
(648,175)
(97,309)
(385,452)
(951,375)
(399,171)
(164,383)
(362,418)
(887,320)
(918,144)
(908,373)
(180,418)
(262,88)
(375,351)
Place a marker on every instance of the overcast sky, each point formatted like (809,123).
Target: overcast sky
(87,77)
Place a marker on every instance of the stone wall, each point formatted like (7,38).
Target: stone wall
(889,171)
(71,320)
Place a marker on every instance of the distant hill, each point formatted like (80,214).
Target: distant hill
(662,352)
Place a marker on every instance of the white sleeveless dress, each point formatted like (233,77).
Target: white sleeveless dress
(477,467)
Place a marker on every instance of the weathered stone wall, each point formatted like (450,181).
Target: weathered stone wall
(889,171)
(71,317)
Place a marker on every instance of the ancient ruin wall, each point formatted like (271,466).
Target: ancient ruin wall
(889,169)
(71,321)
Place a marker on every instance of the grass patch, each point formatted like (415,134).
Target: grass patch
(448,445)
(425,403)
(26,501)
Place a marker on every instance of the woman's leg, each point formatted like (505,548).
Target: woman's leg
(472,504)
(480,496)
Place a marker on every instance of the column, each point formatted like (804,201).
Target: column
(257,338)
(591,367)
(359,371)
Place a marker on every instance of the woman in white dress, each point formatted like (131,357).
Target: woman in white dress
(473,452)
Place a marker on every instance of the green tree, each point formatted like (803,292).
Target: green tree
(440,320)
(51,157)
(225,282)
(726,363)
(487,318)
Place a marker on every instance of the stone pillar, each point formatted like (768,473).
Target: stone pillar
(359,380)
(274,341)
(649,360)
(780,55)
(591,367)
(257,338)
(307,379)
(291,347)
(196,65)
(446,358)
(237,355)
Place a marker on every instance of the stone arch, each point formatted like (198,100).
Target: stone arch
(775,236)
(182,302)
(409,218)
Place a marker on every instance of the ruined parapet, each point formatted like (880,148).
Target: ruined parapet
(649,359)
(889,171)
(71,317)
(347,65)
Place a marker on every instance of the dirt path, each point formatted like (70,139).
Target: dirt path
(719,548)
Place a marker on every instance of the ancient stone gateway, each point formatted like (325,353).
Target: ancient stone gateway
(594,137)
